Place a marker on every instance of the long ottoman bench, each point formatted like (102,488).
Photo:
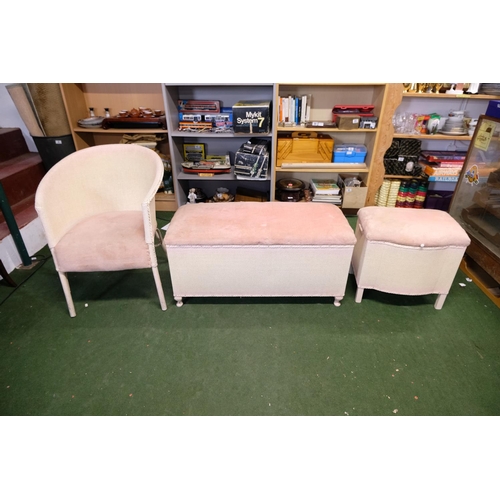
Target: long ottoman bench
(254,249)
(407,252)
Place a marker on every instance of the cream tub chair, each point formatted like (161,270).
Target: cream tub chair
(97,207)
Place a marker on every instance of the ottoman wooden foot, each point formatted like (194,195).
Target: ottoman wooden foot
(440,301)
(179,301)
(336,303)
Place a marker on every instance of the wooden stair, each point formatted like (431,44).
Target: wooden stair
(20,173)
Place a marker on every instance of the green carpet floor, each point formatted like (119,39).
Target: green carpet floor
(389,355)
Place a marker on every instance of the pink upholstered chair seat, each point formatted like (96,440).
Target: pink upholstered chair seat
(110,241)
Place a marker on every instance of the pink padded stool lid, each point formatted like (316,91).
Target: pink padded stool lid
(412,227)
(259,223)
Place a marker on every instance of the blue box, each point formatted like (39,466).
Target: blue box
(493,109)
(349,153)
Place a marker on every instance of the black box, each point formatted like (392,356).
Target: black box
(252,117)
(402,157)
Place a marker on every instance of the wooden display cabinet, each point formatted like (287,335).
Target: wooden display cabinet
(476,206)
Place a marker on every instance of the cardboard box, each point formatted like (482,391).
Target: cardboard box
(347,122)
(245,194)
(352,196)
(252,117)
(194,152)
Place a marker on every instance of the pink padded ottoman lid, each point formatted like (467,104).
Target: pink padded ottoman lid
(412,227)
(259,223)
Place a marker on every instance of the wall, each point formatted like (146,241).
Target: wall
(9,116)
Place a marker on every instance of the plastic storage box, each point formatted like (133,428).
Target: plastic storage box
(493,109)
(349,153)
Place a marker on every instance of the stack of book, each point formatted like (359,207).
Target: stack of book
(443,166)
(326,191)
(294,110)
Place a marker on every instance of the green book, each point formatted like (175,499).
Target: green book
(324,186)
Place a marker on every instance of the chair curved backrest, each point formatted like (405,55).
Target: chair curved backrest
(95,180)
(97,208)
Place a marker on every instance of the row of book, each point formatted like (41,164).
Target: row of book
(442,166)
(325,191)
(402,194)
(294,110)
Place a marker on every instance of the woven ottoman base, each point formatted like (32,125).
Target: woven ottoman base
(259,250)
(407,251)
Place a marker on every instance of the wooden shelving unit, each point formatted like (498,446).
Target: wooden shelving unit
(383,96)
(388,98)
(215,143)
(423,103)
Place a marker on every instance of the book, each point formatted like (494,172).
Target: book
(286,116)
(303,110)
(444,178)
(443,156)
(324,186)
(432,171)
(337,200)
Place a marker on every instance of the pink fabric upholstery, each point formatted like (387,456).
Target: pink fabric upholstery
(110,241)
(410,227)
(254,223)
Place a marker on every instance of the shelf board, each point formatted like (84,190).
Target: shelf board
(183,176)
(450,96)
(324,167)
(435,137)
(323,129)
(402,177)
(215,135)
(122,131)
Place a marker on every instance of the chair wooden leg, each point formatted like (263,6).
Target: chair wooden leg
(159,289)
(67,294)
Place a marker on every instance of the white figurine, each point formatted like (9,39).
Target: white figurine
(192,195)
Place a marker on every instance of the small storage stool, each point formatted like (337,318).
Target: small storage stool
(407,251)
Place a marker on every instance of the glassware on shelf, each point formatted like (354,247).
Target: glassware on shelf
(404,123)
